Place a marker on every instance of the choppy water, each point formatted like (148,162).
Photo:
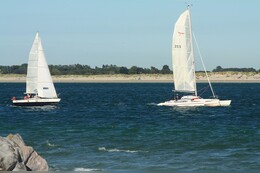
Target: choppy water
(115,127)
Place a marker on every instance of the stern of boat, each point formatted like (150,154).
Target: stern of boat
(225,102)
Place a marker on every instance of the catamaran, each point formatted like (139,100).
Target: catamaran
(39,85)
(184,68)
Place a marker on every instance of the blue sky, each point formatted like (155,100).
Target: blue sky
(129,32)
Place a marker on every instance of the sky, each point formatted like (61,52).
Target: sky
(129,32)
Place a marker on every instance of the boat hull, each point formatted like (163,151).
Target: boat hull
(192,101)
(36,102)
(225,102)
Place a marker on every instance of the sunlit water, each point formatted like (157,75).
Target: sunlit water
(111,127)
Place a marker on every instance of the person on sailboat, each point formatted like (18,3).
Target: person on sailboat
(177,97)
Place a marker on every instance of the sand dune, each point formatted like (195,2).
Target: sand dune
(214,77)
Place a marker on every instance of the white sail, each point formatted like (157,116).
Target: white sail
(184,67)
(39,79)
(182,55)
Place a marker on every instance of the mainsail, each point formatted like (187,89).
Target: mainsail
(39,79)
(182,55)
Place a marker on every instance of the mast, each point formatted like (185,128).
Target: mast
(192,52)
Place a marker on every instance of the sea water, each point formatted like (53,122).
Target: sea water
(119,127)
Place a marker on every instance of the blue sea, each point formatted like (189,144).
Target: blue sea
(118,127)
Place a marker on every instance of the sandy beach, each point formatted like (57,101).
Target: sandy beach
(142,78)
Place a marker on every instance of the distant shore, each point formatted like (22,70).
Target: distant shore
(220,77)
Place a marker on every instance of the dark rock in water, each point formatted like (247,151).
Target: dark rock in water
(16,156)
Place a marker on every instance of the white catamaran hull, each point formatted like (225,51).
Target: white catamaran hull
(195,101)
(36,101)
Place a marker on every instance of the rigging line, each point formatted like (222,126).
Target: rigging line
(204,66)
(204,90)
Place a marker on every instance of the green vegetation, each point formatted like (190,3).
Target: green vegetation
(78,69)
(220,69)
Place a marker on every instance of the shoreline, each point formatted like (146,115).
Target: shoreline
(230,77)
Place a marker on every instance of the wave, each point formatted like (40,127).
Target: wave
(118,150)
(86,169)
(152,104)
(43,108)
(49,144)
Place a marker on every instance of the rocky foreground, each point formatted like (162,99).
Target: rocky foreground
(16,156)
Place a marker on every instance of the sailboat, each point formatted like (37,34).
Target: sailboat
(184,68)
(39,85)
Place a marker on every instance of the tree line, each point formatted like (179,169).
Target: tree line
(78,69)
(220,69)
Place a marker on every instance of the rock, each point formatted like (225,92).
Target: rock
(8,155)
(20,167)
(16,156)
(36,162)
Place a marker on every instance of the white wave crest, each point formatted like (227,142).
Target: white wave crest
(86,169)
(151,104)
(117,150)
(49,144)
